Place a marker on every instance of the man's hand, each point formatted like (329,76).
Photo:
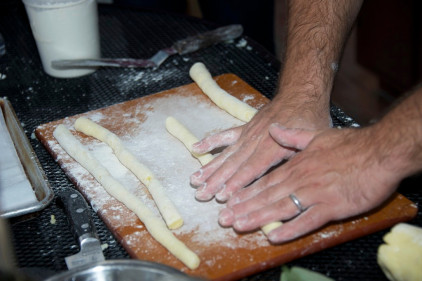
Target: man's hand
(339,174)
(316,33)
(251,150)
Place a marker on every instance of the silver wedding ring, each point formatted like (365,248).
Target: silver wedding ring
(297,202)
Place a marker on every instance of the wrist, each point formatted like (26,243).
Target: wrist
(398,148)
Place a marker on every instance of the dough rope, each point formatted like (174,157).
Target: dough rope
(200,74)
(155,225)
(179,131)
(241,110)
(166,207)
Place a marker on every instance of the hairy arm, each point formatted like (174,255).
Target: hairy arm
(317,30)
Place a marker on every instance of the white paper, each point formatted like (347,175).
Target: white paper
(15,189)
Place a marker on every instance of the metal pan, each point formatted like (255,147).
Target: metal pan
(124,270)
(30,163)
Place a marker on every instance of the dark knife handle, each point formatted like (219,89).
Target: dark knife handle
(194,43)
(78,214)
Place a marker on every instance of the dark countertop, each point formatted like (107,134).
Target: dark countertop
(38,98)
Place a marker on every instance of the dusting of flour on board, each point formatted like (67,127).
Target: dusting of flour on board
(169,160)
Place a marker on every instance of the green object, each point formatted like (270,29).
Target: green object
(296,273)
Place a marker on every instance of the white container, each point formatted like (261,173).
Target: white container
(64,29)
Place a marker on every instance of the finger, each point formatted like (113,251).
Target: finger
(272,200)
(294,138)
(251,216)
(224,138)
(241,198)
(226,217)
(255,166)
(240,204)
(265,182)
(310,220)
(206,193)
(213,175)
(199,177)
(219,175)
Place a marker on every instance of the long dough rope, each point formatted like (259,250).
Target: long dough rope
(155,226)
(167,209)
(200,74)
(179,131)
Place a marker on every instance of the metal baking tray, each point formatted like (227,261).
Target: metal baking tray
(30,163)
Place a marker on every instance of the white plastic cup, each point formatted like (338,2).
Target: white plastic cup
(64,29)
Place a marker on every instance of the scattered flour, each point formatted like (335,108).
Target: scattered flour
(169,160)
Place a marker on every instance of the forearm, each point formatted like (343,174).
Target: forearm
(317,31)
(398,137)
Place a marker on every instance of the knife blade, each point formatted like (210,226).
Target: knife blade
(83,229)
(181,47)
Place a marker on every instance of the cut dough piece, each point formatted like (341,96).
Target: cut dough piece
(200,74)
(270,227)
(156,227)
(401,257)
(179,131)
(167,209)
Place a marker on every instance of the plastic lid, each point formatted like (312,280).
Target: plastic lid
(52,3)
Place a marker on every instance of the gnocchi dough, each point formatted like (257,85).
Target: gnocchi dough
(401,257)
(155,225)
(180,132)
(200,74)
(271,226)
(167,209)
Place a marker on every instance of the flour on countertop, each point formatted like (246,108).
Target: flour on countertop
(133,78)
(170,162)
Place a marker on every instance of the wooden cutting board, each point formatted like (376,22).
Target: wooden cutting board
(224,254)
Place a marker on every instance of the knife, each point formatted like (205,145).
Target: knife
(83,229)
(181,47)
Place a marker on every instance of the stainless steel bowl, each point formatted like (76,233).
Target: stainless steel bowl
(123,270)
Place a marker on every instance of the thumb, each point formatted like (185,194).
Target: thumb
(292,138)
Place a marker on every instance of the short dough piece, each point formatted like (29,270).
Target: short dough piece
(270,227)
(164,204)
(156,227)
(179,131)
(401,257)
(200,74)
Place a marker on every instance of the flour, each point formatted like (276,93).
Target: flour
(169,160)
(131,79)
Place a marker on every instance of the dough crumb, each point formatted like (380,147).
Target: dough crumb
(53,219)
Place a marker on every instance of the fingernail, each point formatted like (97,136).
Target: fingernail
(222,195)
(201,193)
(195,177)
(196,145)
(273,238)
(202,188)
(198,173)
(226,217)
